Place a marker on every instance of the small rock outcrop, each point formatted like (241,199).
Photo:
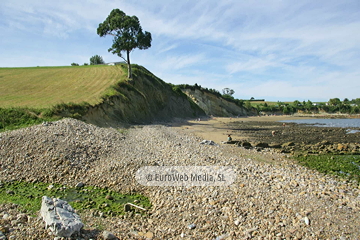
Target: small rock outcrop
(108,236)
(60,217)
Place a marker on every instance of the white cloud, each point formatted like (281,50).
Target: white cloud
(250,65)
(182,61)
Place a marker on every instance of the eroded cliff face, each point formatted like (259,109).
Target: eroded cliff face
(143,100)
(147,99)
(213,105)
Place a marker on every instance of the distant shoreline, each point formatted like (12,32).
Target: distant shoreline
(218,128)
(291,117)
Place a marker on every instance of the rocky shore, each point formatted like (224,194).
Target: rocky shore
(281,200)
(292,137)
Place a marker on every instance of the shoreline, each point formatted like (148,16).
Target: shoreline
(269,130)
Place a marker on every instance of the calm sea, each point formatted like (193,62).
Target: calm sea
(319,122)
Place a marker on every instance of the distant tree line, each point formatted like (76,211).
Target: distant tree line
(94,60)
(334,105)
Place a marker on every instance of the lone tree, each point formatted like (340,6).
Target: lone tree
(96,60)
(127,33)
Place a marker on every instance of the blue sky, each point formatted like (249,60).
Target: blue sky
(273,49)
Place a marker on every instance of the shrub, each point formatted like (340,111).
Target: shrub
(94,60)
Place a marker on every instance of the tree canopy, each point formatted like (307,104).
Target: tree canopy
(127,32)
(96,60)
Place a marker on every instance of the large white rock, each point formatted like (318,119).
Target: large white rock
(60,217)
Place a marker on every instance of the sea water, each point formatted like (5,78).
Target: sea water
(319,122)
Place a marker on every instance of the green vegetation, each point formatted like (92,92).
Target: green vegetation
(31,96)
(127,32)
(44,87)
(14,118)
(71,109)
(344,166)
(96,59)
(28,196)
(334,105)
(34,95)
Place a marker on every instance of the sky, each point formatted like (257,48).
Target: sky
(277,50)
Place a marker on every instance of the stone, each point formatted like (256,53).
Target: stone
(4,229)
(341,147)
(224,236)
(108,235)
(306,220)
(80,185)
(275,146)
(288,144)
(325,142)
(2,236)
(60,217)
(109,197)
(208,142)
(22,218)
(192,226)
(246,145)
(262,145)
(149,235)
(10,192)
(214,194)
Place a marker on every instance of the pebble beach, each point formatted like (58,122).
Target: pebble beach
(275,199)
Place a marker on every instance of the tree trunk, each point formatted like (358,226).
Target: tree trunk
(129,64)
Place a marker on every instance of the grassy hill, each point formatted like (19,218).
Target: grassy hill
(44,87)
(96,94)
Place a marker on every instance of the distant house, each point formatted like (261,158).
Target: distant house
(114,63)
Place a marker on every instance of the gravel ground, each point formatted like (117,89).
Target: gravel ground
(267,201)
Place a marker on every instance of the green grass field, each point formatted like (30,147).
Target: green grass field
(44,87)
